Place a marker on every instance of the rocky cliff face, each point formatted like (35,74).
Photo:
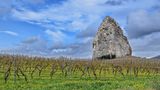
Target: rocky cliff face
(110,42)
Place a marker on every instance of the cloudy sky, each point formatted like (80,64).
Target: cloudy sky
(67,27)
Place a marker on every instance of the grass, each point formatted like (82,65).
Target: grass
(59,82)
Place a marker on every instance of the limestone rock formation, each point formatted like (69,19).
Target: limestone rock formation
(110,42)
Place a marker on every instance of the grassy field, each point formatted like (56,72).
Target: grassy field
(85,83)
(25,73)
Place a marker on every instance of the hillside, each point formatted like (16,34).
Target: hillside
(156,57)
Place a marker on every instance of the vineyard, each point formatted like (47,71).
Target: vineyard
(22,72)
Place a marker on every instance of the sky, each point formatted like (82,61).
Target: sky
(67,27)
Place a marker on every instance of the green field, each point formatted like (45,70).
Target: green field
(24,73)
(85,83)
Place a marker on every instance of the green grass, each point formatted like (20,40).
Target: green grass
(59,82)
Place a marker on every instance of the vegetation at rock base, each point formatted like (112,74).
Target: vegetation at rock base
(35,73)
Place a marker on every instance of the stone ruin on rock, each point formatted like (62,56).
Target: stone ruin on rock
(110,42)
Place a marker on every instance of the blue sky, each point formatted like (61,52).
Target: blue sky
(67,27)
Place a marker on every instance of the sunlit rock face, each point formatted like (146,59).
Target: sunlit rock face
(110,42)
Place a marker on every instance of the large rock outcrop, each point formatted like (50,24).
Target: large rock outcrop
(110,42)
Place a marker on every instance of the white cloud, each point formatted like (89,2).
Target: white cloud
(57,36)
(9,33)
(34,1)
(148,46)
(78,14)
(77,50)
(28,15)
(141,23)
(31,46)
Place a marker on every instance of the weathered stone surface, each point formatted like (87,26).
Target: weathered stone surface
(110,42)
